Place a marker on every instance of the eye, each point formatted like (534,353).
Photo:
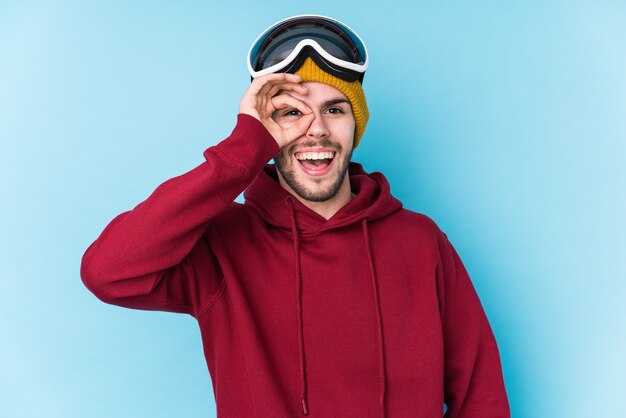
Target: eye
(335,110)
(292,112)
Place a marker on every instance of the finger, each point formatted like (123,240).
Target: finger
(285,100)
(286,77)
(285,103)
(295,87)
(264,82)
(260,83)
(256,98)
(270,90)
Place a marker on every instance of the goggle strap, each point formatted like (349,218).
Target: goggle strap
(328,67)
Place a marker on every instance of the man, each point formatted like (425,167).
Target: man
(320,295)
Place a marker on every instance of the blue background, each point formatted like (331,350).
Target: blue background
(503,121)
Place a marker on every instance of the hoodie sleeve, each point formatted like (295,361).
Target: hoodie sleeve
(156,256)
(473,381)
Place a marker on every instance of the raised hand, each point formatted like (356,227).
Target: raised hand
(267,94)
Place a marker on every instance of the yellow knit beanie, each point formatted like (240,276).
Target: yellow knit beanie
(353,91)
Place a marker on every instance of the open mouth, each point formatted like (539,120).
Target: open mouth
(315,163)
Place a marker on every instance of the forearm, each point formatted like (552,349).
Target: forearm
(159,232)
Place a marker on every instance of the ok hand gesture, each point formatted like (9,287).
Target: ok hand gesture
(266,95)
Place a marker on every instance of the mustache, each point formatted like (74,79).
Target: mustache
(324,142)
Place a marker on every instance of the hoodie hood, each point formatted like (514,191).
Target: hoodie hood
(372,200)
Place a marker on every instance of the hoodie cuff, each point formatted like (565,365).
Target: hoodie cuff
(250,145)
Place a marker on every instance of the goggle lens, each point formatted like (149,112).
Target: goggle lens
(335,38)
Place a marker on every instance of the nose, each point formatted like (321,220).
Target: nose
(318,128)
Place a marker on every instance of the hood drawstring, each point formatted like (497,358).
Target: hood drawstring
(381,353)
(296,250)
(381,359)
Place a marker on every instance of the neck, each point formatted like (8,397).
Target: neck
(329,207)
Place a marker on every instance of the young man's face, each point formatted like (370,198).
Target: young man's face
(314,166)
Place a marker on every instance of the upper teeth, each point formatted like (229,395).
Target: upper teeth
(315,155)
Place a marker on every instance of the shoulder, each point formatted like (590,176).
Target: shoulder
(413,231)
(415,222)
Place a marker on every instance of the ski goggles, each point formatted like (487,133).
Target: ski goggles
(284,46)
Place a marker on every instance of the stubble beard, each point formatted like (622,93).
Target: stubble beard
(317,194)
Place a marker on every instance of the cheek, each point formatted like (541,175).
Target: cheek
(283,158)
(346,132)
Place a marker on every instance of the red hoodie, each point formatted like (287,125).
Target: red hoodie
(367,314)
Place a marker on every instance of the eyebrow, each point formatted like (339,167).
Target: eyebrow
(334,102)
